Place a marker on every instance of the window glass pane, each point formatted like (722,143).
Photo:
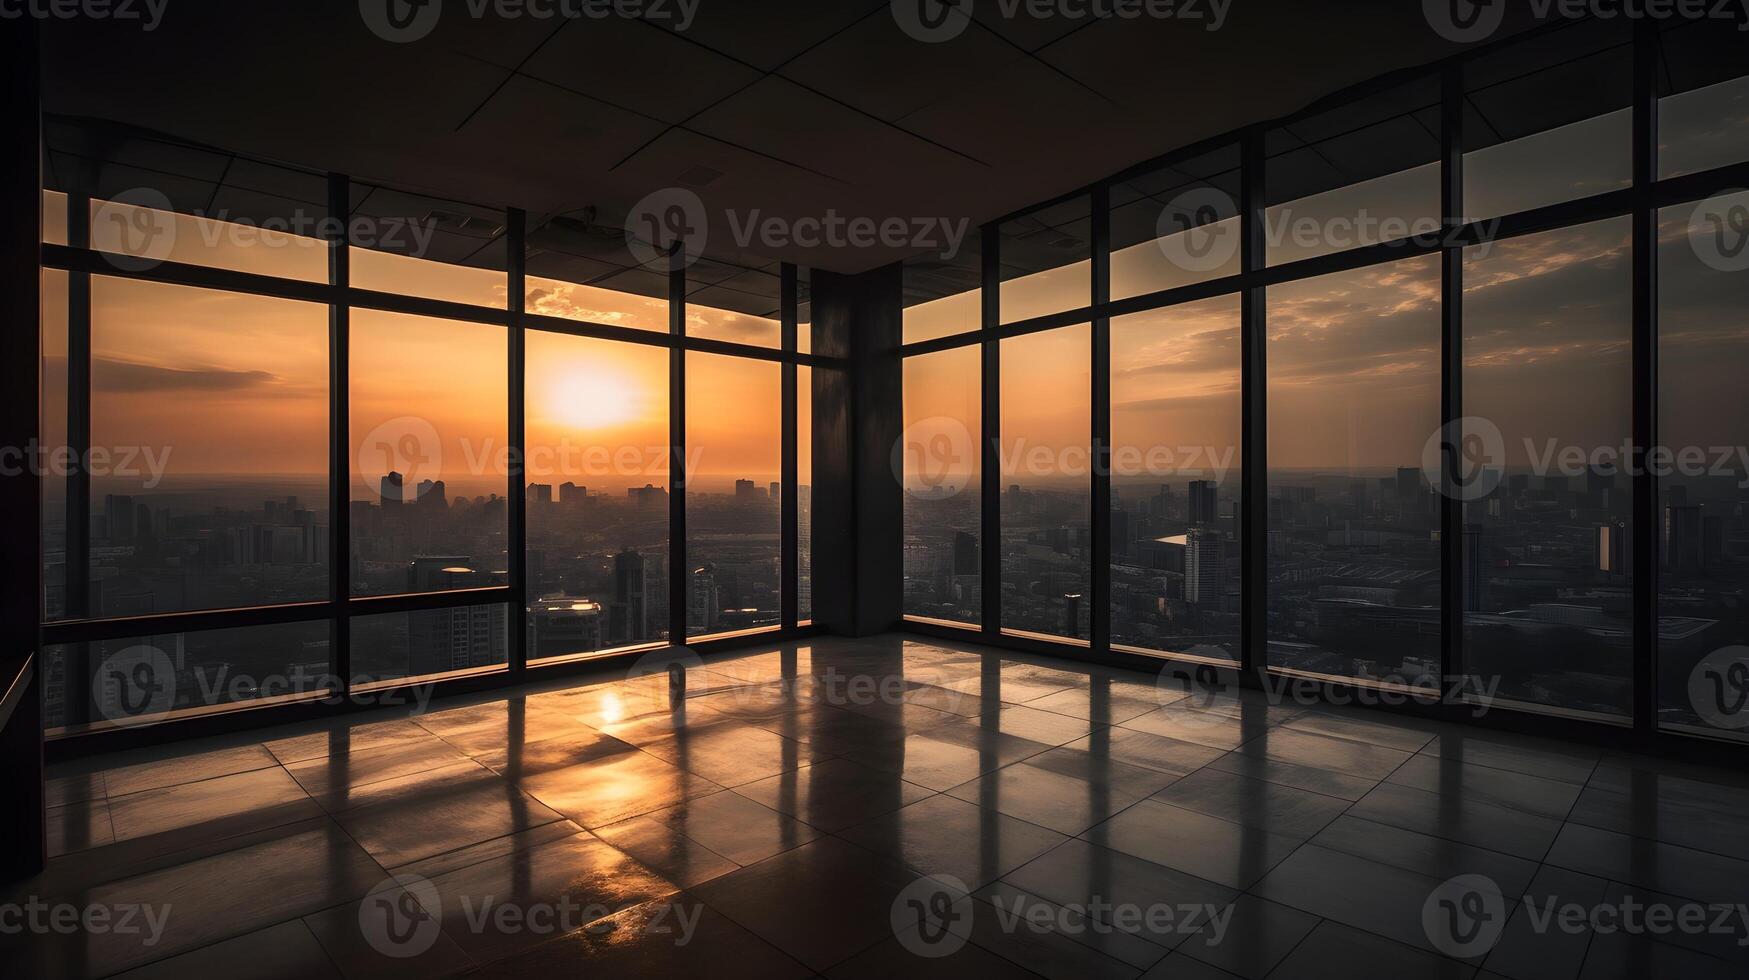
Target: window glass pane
(429,423)
(943,519)
(1045,261)
(804,311)
(1548,384)
(54,439)
(1703,97)
(804,493)
(583,271)
(597,437)
(1524,147)
(429,643)
(1046,413)
(725,302)
(1703,414)
(429,247)
(54,218)
(209,429)
(147,236)
(1359,175)
(734,432)
(1176,226)
(942,294)
(142,679)
(1175,421)
(152,199)
(574,301)
(1353,532)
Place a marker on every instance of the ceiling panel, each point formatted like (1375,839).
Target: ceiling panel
(674,79)
(879,69)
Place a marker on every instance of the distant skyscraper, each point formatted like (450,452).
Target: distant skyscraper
(540,494)
(648,496)
(1684,539)
(1205,567)
(1408,483)
(746,490)
(703,603)
(1071,625)
(571,495)
(965,553)
(1203,508)
(628,597)
(775,490)
(392,489)
(119,511)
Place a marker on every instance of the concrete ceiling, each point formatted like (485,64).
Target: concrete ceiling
(788,109)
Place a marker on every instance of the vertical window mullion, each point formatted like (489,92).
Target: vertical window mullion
(677,578)
(516,276)
(789,576)
(1645,359)
(340,431)
(1254,491)
(990,445)
(1451,507)
(1099,610)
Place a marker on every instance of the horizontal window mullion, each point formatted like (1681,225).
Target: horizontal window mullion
(94,262)
(98,630)
(376,605)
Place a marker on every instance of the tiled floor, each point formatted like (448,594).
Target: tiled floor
(779,821)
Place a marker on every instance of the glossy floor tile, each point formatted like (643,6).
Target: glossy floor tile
(887,806)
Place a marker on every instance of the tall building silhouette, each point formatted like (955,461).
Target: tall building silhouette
(1203,508)
(629,617)
(1205,567)
(703,600)
(392,489)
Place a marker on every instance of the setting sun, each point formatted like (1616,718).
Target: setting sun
(590,400)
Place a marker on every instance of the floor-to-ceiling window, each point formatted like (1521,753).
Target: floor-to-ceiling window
(597,499)
(941,471)
(1353,530)
(340,447)
(1175,478)
(1046,462)
(732,512)
(1289,291)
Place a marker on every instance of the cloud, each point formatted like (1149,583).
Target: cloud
(126,377)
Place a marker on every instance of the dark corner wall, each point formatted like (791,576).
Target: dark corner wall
(21,756)
(858,514)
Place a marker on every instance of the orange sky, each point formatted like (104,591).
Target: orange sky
(238,384)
